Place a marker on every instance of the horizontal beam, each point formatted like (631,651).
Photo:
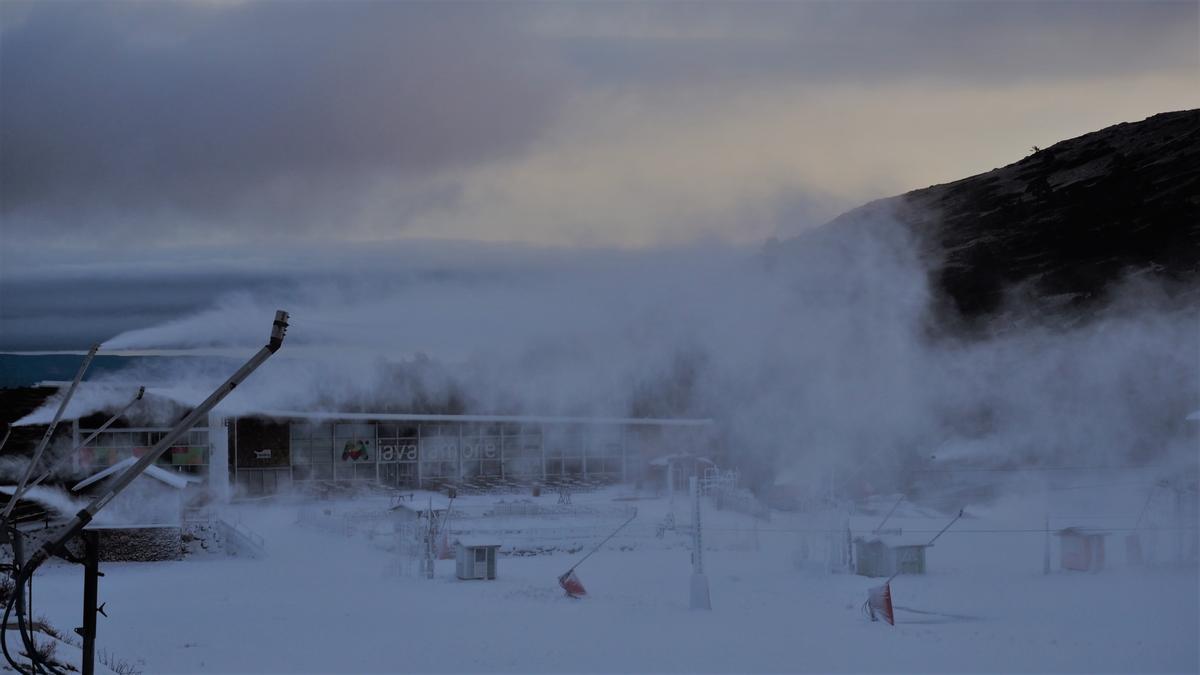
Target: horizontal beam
(525,419)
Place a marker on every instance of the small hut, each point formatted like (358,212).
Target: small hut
(144,522)
(1080,549)
(476,560)
(883,556)
(156,497)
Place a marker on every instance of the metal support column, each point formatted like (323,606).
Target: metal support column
(91,577)
(420,453)
(624,459)
(699,583)
(218,458)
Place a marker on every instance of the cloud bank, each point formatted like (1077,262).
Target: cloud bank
(184,124)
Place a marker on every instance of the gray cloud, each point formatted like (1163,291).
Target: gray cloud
(870,42)
(262,111)
(186,122)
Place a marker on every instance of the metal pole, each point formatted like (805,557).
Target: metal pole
(429,543)
(889,515)
(1046,548)
(278,329)
(943,531)
(697,538)
(605,541)
(699,582)
(18,544)
(81,445)
(624,458)
(671,486)
(91,575)
(41,447)
(935,538)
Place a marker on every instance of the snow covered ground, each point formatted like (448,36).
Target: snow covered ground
(327,602)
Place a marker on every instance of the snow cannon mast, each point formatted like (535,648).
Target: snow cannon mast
(200,412)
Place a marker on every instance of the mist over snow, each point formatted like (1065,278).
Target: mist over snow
(816,355)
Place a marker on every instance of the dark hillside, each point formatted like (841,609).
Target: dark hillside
(1062,226)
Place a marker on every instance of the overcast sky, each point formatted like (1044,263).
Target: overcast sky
(138,131)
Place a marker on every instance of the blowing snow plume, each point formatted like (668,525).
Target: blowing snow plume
(819,356)
(972,322)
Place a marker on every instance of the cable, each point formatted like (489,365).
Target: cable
(1020,469)
(37,663)
(22,574)
(4,638)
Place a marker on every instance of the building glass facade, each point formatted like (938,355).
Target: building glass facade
(415,453)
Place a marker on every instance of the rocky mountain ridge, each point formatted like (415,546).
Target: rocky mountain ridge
(1059,229)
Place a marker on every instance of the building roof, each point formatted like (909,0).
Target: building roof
(476,542)
(680,457)
(42,413)
(1080,532)
(897,540)
(173,479)
(528,419)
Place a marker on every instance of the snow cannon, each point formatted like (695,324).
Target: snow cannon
(879,599)
(571,584)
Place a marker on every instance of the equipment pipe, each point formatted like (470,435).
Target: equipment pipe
(889,515)
(85,515)
(83,444)
(943,530)
(41,447)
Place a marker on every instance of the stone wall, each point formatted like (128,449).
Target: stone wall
(140,543)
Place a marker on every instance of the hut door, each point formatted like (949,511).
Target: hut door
(481,563)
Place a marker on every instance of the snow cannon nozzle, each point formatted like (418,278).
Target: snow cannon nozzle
(278,330)
(572,585)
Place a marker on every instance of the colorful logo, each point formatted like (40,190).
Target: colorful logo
(355,451)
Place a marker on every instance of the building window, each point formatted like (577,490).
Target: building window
(438,451)
(312,451)
(189,454)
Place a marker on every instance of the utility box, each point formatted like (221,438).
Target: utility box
(1081,550)
(476,560)
(883,557)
